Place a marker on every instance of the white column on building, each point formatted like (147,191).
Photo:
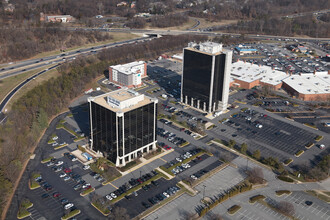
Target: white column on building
(211,84)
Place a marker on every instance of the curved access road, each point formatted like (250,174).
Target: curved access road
(19,86)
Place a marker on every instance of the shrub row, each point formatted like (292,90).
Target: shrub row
(282,192)
(71,214)
(234,209)
(299,153)
(285,178)
(318,138)
(235,190)
(253,199)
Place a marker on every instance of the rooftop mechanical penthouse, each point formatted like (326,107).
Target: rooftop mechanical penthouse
(123,125)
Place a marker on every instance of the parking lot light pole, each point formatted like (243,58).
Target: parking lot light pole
(204,191)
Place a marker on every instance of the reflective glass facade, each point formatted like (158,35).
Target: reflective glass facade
(219,74)
(197,69)
(139,127)
(133,130)
(104,131)
(197,77)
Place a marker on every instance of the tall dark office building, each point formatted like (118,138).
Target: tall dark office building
(123,125)
(205,77)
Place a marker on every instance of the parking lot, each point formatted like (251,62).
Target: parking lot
(317,210)
(134,204)
(219,182)
(278,134)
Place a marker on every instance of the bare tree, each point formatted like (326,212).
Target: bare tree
(256,175)
(286,208)
(215,217)
(119,213)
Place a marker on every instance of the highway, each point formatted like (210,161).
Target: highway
(57,60)
(17,88)
(22,66)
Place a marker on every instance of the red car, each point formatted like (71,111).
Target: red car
(168,148)
(182,129)
(67,170)
(118,87)
(55,195)
(88,187)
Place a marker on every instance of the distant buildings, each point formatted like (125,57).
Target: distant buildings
(56,18)
(242,50)
(307,87)
(205,78)
(298,48)
(129,75)
(123,125)
(248,75)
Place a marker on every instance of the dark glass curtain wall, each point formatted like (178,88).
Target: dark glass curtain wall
(196,77)
(104,131)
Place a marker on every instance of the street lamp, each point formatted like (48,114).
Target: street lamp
(204,191)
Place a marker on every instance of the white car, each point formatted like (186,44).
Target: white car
(62,175)
(109,197)
(178,159)
(54,144)
(113,195)
(86,185)
(74,159)
(165,194)
(55,138)
(193,177)
(66,178)
(60,162)
(322,146)
(69,205)
(86,167)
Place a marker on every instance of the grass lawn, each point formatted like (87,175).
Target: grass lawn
(33,83)
(9,83)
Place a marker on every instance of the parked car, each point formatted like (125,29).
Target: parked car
(69,205)
(109,197)
(86,167)
(56,194)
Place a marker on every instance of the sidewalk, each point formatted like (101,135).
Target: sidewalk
(144,162)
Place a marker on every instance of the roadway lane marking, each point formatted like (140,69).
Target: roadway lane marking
(113,185)
(163,160)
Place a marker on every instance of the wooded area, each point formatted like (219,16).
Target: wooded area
(305,25)
(30,114)
(17,44)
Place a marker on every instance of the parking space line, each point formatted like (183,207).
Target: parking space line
(113,185)
(163,160)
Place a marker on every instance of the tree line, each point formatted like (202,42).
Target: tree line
(161,21)
(305,25)
(30,113)
(17,44)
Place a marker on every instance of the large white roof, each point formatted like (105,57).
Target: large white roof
(248,72)
(318,83)
(128,68)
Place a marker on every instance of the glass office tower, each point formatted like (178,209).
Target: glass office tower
(123,125)
(205,78)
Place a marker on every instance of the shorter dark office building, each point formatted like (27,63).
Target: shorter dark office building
(123,125)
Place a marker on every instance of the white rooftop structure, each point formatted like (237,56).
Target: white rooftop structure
(122,100)
(129,68)
(207,47)
(248,72)
(310,83)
